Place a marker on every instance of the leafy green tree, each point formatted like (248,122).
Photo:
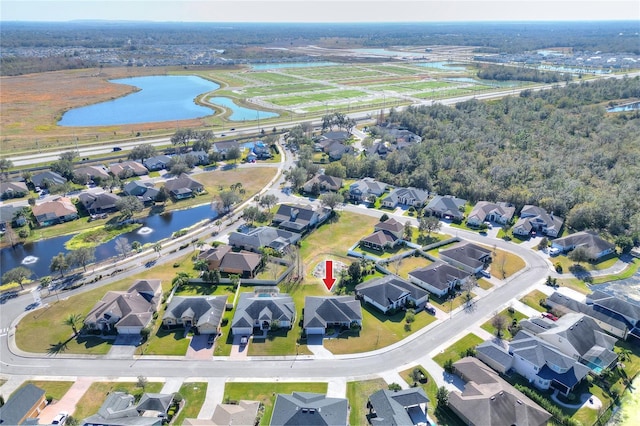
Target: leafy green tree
(355,272)
(81,257)
(442,396)
(395,387)
(297,177)
(17,275)
(579,255)
(226,199)
(59,264)
(233,154)
(181,137)
(331,200)
(5,165)
(268,201)
(429,224)
(129,205)
(157,247)
(180,279)
(142,152)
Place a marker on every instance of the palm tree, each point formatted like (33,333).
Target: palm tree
(72,321)
(157,247)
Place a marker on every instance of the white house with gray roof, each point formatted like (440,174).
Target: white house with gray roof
(363,189)
(391,292)
(595,246)
(534,218)
(322,312)
(617,308)
(261,311)
(492,212)
(405,196)
(305,408)
(446,206)
(403,407)
(263,236)
(438,278)
(467,256)
(202,312)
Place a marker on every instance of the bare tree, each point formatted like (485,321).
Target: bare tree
(122,246)
(499,322)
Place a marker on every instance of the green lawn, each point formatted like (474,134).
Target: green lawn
(266,393)
(52,389)
(167,342)
(509,318)
(408,264)
(484,284)
(448,305)
(533,298)
(453,352)
(566,263)
(358,395)
(194,394)
(94,397)
(505,264)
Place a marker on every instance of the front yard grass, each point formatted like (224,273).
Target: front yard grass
(532,300)
(167,342)
(567,263)
(52,389)
(484,284)
(266,393)
(358,395)
(506,334)
(505,264)
(94,397)
(278,342)
(454,351)
(448,305)
(405,265)
(194,394)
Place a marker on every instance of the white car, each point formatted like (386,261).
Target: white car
(61,418)
(554,251)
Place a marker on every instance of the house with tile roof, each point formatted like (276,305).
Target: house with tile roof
(323,312)
(104,202)
(391,292)
(596,247)
(23,406)
(469,257)
(489,400)
(364,189)
(129,311)
(305,408)
(260,311)
(438,278)
(534,218)
(402,407)
(405,197)
(56,211)
(487,211)
(264,236)
(204,313)
(447,207)
(127,169)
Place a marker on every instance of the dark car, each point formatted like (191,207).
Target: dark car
(116,149)
(430,309)
(210,339)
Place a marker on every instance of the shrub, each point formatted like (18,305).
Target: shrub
(448,366)
(558,267)
(225,321)
(407,327)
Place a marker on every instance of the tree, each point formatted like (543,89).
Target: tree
(201,265)
(82,257)
(72,321)
(136,246)
(163,195)
(331,200)
(355,272)
(142,152)
(181,137)
(395,387)
(250,214)
(123,248)
(142,382)
(180,279)
(416,375)
(235,280)
(499,322)
(226,199)
(17,275)
(579,255)
(468,286)
(297,176)
(268,201)
(442,396)
(178,165)
(543,244)
(202,140)
(408,231)
(129,205)
(59,264)
(233,154)
(5,165)
(157,247)
(429,224)
(384,217)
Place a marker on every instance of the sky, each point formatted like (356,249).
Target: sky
(320,10)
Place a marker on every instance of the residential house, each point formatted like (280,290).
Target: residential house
(200,158)
(262,311)
(259,151)
(596,247)
(244,263)
(46,178)
(483,211)
(322,183)
(213,256)
(56,211)
(618,308)
(88,173)
(382,149)
(183,187)
(299,218)
(612,324)
(120,409)
(467,256)
(336,150)
(447,207)
(365,189)
(536,360)
(439,278)
(305,408)
(23,406)
(157,162)
(145,191)
(403,137)
(534,218)
(323,312)
(403,407)
(580,337)
(204,313)
(127,169)
(264,236)
(391,292)
(406,197)
(98,203)
(222,148)
(13,189)
(489,400)
(386,235)
(129,311)
(242,413)
(12,215)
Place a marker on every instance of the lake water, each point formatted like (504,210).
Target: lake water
(440,66)
(240,113)
(390,53)
(161,226)
(160,98)
(292,65)
(629,107)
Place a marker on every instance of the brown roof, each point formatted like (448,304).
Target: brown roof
(59,207)
(244,261)
(391,225)
(134,166)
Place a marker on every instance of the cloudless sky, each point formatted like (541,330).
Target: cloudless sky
(320,10)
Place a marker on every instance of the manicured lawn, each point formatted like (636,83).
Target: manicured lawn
(484,284)
(266,393)
(96,236)
(566,263)
(194,394)
(166,342)
(448,305)
(53,389)
(453,352)
(408,264)
(279,342)
(94,397)
(204,289)
(532,300)
(575,284)
(509,318)
(271,271)
(505,264)
(358,395)
(629,271)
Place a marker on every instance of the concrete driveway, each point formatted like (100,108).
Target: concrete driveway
(68,401)
(199,348)
(124,346)
(239,351)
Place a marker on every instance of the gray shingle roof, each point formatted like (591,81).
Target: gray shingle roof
(498,354)
(615,304)
(482,209)
(468,254)
(322,310)
(582,308)
(252,307)
(446,205)
(388,289)
(531,214)
(390,406)
(304,408)
(439,274)
(420,196)
(264,236)
(19,404)
(590,241)
(205,309)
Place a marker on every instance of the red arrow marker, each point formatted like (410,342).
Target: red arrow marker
(328,272)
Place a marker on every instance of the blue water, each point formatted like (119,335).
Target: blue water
(160,98)
(292,65)
(241,113)
(163,225)
(390,53)
(630,107)
(440,66)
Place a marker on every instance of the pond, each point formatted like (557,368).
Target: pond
(629,107)
(37,256)
(292,65)
(239,113)
(441,66)
(390,53)
(160,98)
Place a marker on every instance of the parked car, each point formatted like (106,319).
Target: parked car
(61,418)
(485,273)
(244,340)
(210,339)
(550,316)
(430,309)
(116,149)
(554,251)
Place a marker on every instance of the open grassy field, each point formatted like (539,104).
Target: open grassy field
(53,389)
(266,393)
(93,398)
(325,96)
(358,395)
(194,394)
(505,264)
(453,352)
